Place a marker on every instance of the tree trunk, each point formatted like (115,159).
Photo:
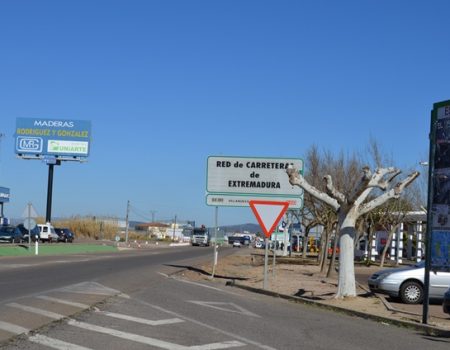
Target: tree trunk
(346,282)
(333,255)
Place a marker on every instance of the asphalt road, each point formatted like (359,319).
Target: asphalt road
(139,304)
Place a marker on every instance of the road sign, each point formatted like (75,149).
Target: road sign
(268,214)
(29,224)
(234,181)
(29,212)
(231,200)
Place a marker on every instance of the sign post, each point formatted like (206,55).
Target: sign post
(268,214)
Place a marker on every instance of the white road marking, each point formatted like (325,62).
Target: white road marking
(65,302)
(150,341)
(141,320)
(55,343)
(90,288)
(12,328)
(198,284)
(37,311)
(232,335)
(225,307)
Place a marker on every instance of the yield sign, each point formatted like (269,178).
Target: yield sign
(268,214)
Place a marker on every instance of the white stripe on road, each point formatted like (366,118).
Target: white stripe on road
(141,320)
(55,343)
(65,302)
(222,345)
(151,341)
(35,310)
(12,328)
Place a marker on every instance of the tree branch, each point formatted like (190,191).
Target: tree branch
(332,191)
(297,179)
(392,193)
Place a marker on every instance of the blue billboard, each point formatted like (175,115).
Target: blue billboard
(59,138)
(4,194)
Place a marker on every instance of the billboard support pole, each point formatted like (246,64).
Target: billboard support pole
(48,215)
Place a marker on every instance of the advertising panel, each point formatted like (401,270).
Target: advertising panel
(440,209)
(4,194)
(234,181)
(36,138)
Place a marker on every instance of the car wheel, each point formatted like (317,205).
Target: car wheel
(411,292)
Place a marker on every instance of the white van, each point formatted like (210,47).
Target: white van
(48,233)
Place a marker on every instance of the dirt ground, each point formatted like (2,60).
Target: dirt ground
(295,277)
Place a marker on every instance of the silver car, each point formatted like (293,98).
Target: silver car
(408,283)
(446,303)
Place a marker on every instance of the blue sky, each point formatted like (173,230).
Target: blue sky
(168,83)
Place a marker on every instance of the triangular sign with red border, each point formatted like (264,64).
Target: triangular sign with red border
(268,214)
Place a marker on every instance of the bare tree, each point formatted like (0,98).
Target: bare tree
(350,200)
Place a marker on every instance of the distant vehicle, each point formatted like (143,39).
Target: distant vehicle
(236,244)
(48,233)
(446,303)
(408,283)
(200,236)
(34,233)
(10,234)
(259,244)
(64,235)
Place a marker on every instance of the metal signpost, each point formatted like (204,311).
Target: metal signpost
(268,214)
(437,256)
(52,140)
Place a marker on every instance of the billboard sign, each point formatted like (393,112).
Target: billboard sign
(4,194)
(63,139)
(440,189)
(234,181)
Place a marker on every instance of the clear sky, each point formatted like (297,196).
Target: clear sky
(168,83)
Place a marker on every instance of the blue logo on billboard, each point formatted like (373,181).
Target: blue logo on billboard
(29,144)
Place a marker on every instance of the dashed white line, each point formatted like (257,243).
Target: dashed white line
(12,328)
(37,311)
(55,343)
(141,320)
(65,302)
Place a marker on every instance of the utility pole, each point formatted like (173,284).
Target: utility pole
(153,212)
(126,222)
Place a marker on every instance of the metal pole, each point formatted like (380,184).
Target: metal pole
(48,216)
(126,222)
(215,251)
(429,221)
(266,259)
(29,225)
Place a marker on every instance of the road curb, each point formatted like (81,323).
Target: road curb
(427,329)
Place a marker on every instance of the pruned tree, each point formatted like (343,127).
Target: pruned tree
(349,205)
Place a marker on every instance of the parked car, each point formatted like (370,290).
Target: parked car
(407,283)
(64,235)
(48,233)
(10,234)
(446,303)
(236,244)
(34,233)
